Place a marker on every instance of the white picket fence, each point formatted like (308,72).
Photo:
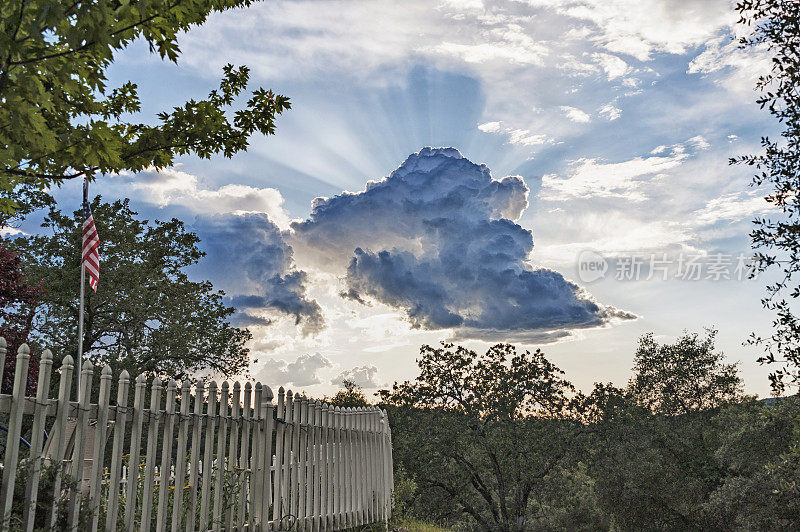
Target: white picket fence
(215,457)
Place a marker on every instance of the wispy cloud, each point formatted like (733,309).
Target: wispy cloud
(576,115)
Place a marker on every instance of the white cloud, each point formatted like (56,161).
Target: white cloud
(363,376)
(304,371)
(575,114)
(610,112)
(172,186)
(517,136)
(539,44)
(734,207)
(595,178)
(741,66)
(490,127)
(640,28)
(613,66)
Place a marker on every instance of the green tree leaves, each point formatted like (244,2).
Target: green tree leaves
(775,25)
(59,120)
(687,376)
(147,315)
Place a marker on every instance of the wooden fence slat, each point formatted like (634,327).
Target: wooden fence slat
(351,472)
(148,492)
(219,491)
(388,482)
(389,466)
(378,461)
(348,478)
(3,351)
(180,457)
(233,459)
(134,452)
(208,456)
(277,481)
(306,453)
(359,465)
(322,508)
(117,450)
(37,436)
(365,427)
(368,485)
(302,459)
(194,465)
(380,470)
(79,444)
(331,463)
(290,475)
(244,456)
(268,423)
(374,464)
(166,457)
(318,466)
(257,455)
(338,486)
(369,465)
(11,460)
(58,431)
(357,461)
(294,494)
(98,452)
(257,464)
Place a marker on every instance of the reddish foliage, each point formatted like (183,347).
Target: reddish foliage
(18,301)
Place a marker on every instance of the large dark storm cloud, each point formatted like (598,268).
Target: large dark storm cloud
(437,238)
(249,259)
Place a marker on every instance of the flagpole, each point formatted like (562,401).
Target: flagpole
(80,312)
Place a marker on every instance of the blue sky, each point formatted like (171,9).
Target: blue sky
(618,116)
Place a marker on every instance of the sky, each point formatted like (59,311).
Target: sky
(552,173)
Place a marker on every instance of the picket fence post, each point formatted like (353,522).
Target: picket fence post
(37,436)
(14,429)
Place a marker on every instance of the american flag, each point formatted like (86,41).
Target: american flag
(90,257)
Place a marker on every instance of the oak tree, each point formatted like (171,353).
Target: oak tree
(147,316)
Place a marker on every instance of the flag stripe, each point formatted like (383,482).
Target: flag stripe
(90,257)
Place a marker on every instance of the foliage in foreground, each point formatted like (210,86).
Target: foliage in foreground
(775,26)
(59,119)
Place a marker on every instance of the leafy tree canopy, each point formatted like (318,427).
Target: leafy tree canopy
(350,396)
(483,431)
(497,385)
(146,316)
(683,377)
(60,120)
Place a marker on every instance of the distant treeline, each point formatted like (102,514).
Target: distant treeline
(501,441)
